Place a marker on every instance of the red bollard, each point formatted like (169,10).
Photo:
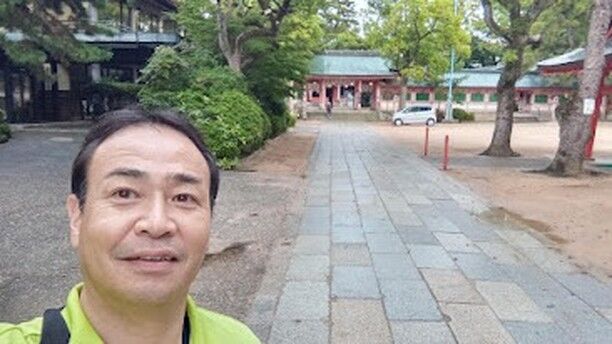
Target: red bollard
(445,161)
(426,146)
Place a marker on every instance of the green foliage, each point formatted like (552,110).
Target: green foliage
(214,99)
(165,71)
(5,130)
(341,27)
(31,32)
(233,125)
(462,115)
(417,36)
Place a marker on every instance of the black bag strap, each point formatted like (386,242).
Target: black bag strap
(54,330)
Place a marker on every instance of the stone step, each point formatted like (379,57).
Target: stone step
(359,116)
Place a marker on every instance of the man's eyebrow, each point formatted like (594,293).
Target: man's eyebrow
(126,172)
(184,178)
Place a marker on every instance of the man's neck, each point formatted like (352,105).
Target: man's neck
(120,322)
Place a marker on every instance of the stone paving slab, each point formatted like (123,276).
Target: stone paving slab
(502,253)
(588,288)
(394,266)
(309,267)
(537,333)
(312,244)
(421,332)
(409,300)
(304,301)
(299,332)
(385,243)
(456,242)
(348,235)
(607,313)
(359,321)
(549,260)
(451,286)
(430,256)
(416,236)
(354,282)
(478,266)
(475,324)
(350,254)
(510,302)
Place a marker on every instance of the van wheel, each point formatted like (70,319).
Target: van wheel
(430,122)
(398,122)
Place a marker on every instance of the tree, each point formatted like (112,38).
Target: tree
(512,21)
(563,27)
(341,27)
(261,20)
(574,128)
(32,32)
(416,36)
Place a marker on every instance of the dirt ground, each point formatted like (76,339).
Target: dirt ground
(572,214)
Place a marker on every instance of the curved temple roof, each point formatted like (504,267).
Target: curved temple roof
(350,63)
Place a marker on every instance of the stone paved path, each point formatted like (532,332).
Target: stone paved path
(387,252)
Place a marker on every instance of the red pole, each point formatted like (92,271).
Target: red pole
(426,147)
(588,149)
(445,161)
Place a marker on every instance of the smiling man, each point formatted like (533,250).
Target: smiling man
(143,189)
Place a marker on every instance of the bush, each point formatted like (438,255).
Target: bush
(233,125)
(440,115)
(5,130)
(291,120)
(462,115)
(165,75)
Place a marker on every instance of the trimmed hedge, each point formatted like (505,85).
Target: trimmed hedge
(5,130)
(462,115)
(233,126)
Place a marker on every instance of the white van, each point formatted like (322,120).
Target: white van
(421,114)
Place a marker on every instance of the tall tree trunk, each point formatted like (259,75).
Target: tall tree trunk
(506,105)
(403,92)
(574,127)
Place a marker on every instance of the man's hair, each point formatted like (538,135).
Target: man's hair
(112,122)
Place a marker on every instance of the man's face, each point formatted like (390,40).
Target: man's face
(143,231)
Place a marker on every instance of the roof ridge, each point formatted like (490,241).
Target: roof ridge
(350,52)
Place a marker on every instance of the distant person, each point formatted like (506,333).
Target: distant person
(328,109)
(143,189)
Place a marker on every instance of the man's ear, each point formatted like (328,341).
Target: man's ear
(74,215)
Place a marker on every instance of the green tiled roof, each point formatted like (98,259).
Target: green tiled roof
(487,77)
(350,63)
(571,57)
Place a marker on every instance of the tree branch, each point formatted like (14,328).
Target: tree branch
(537,8)
(490,20)
(224,43)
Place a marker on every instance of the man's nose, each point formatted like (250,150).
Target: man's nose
(156,221)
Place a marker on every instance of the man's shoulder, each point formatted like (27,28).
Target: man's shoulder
(222,328)
(26,332)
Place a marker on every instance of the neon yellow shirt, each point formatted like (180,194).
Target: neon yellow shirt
(205,326)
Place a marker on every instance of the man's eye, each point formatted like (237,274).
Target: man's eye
(124,193)
(183,198)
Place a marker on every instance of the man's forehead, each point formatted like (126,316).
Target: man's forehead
(158,145)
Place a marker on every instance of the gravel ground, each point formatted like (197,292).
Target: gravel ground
(38,267)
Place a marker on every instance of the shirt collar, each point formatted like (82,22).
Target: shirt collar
(81,330)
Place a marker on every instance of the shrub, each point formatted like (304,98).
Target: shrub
(462,115)
(5,130)
(165,75)
(233,125)
(440,115)
(291,120)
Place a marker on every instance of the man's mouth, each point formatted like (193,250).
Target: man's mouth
(153,256)
(153,259)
